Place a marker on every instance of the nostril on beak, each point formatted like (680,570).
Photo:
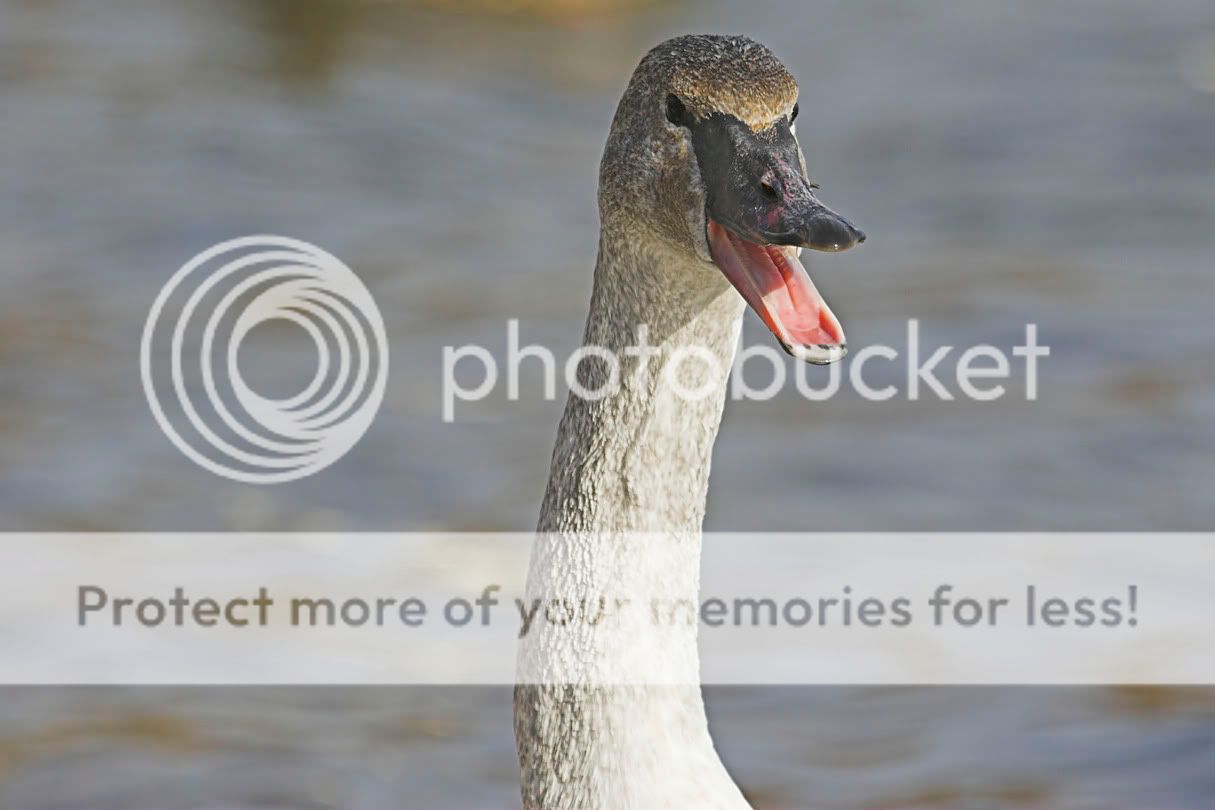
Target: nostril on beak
(768,186)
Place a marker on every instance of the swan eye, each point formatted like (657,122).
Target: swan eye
(793,115)
(677,113)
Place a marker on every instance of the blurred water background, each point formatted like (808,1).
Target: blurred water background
(1032,162)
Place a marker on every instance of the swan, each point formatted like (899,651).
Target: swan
(704,207)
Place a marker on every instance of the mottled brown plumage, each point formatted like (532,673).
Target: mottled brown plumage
(649,182)
(729,74)
(638,460)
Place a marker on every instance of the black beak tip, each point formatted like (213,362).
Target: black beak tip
(834,235)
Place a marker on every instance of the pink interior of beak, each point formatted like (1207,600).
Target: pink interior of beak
(776,285)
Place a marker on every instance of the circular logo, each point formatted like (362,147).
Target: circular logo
(228,290)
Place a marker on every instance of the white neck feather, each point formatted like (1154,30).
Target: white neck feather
(637,461)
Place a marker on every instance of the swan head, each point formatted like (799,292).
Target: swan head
(703,159)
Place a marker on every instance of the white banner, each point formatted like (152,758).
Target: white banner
(966,608)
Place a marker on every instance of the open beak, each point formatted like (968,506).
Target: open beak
(776,285)
(761,209)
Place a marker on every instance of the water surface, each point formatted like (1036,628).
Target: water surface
(1012,163)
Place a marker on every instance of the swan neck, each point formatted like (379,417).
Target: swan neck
(638,459)
(632,462)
